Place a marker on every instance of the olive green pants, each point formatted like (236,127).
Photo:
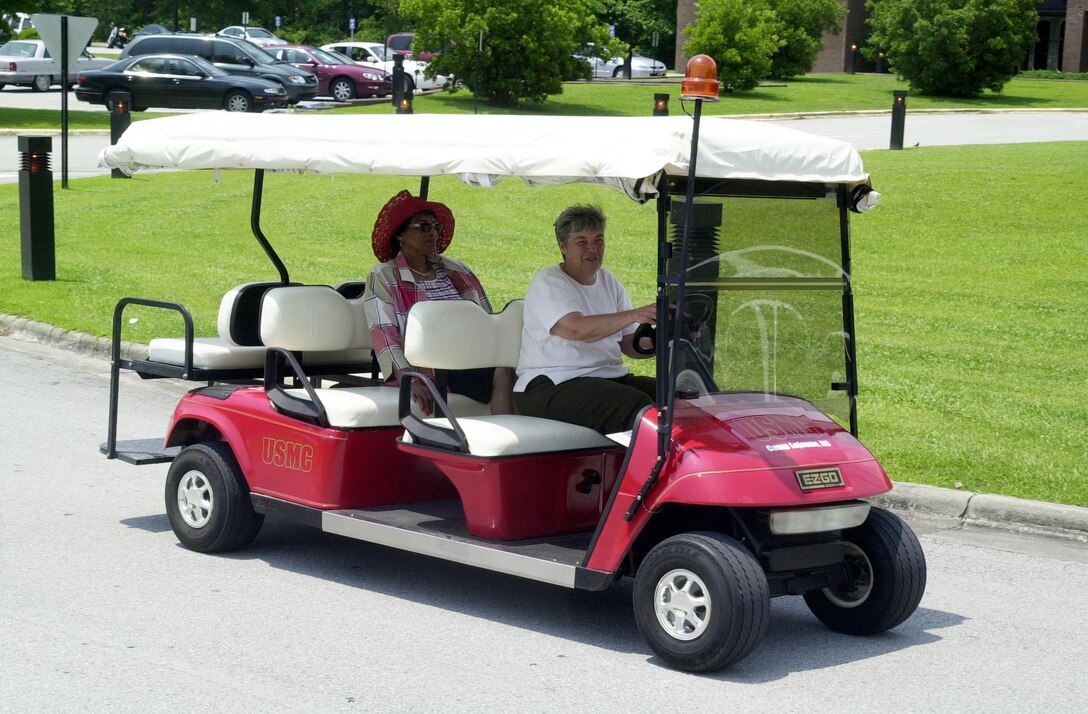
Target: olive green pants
(607,405)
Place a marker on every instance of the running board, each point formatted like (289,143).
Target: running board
(141,452)
(436,529)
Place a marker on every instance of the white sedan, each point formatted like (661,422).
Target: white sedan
(257,35)
(376,54)
(640,66)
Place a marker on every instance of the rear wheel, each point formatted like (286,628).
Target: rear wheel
(342,89)
(701,601)
(885,578)
(238,101)
(207,500)
(41,83)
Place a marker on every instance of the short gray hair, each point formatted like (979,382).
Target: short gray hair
(577,218)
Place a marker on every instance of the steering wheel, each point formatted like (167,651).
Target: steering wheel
(645,330)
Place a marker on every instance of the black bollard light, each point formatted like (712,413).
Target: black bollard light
(661,105)
(852,60)
(880,63)
(404,106)
(899,118)
(398,80)
(36,208)
(120,118)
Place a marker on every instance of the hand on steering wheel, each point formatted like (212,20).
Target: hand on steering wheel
(645,330)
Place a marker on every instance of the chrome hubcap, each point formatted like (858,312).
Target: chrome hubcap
(682,603)
(195,500)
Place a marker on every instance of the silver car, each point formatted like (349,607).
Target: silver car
(641,66)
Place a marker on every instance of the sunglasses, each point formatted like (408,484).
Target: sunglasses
(427,226)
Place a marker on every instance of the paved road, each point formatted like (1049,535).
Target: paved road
(100,608)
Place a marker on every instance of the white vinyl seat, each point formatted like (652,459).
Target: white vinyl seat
(375,407)
(239,345)
(459,334)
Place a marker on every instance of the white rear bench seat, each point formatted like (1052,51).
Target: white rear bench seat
(459,334)
(239,345)
(318,321)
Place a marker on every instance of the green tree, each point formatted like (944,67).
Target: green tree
(953,48)
(802,24)
(741,36)
(636,22)
(527,44)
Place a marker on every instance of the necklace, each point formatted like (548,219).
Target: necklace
(421,274)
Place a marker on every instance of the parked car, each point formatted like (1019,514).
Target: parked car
(640,66)
(257,35)
(237,57)
(337,76)
(375,54)
(401,44)
(28,63)
(177,82)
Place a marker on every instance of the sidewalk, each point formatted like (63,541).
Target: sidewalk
(942,507)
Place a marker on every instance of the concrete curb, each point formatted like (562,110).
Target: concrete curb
(948,508)
(27,330)
(953,508)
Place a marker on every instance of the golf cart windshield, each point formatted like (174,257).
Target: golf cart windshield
(763,308)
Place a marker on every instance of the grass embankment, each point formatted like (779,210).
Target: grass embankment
(969,283)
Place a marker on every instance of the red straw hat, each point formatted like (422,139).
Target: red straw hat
(398,210)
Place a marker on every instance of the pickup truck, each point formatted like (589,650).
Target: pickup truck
(27,63)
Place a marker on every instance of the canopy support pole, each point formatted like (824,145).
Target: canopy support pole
(255,225)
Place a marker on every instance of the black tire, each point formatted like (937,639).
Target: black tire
(116,96)
(342,89)
(701,601)
(887,577)
(41,83)
(207,500)
(238,101)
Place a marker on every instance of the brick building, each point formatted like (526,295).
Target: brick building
(1062,44)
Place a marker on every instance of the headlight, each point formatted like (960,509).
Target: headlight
(294,79)
(819,519)
(372,77)
(276,89)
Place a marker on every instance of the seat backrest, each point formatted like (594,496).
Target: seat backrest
(304,318)
(459,334)
(239,314)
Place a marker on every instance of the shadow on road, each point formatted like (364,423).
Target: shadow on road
(795,640)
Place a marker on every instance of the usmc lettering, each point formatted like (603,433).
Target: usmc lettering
(765,427)
(287,454)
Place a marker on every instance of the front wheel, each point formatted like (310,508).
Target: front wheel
(41,83)
(342,89)
(207,500)
(238,101)
(884,579)
(701,601)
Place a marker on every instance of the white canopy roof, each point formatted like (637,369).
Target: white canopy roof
(623,152)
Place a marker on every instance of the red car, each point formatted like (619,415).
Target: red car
(337,76)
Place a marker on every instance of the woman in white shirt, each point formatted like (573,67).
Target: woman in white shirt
(579,323)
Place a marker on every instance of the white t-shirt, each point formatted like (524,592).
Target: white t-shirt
(553,294)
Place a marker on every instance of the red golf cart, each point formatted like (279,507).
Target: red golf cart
(746,482)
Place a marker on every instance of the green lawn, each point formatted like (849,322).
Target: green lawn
(813,93)
(970,292)
(969,278)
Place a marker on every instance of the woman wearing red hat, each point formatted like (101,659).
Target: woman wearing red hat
(409,236)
